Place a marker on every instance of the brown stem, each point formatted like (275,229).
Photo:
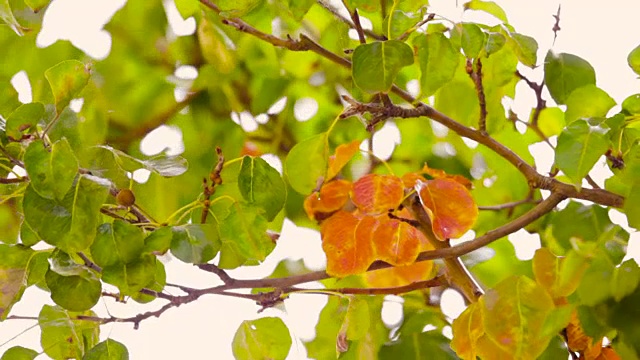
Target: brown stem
(476,76)
(14,180)
(509,205)
(437,281)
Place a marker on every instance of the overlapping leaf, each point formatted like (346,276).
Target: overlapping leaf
(51,171)
(306,163)
(580,145)
(564,73)
(344,153)
(376,65)
(347,242)
(261,185)
(67,79)
(65,337)
(438,61)
(451,206)
(331,197)
(108,350)
(400,275)
(19,268)
(396,242)
(376,194)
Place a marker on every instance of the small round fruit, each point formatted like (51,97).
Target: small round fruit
(125,197)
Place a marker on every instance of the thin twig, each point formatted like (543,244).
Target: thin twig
(339,16)
(437,281)
(509,205)
(475,72)
(540,102)
(14,180)
(556,26)
(226,279)
(216,180)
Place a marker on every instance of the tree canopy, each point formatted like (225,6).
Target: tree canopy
(279,117)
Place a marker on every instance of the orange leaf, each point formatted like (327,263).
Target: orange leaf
(451,207)
(347,244)
(580,342)
(608,354)
(376,194)
(400,275)
(344,153)
(411,179)
(332,197)
(397,242)
(440,174)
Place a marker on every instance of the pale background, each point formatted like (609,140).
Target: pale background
(602,34)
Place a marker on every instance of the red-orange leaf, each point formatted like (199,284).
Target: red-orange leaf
(345,242)
(343,154)
(440,174)
(400,275)
(397,242)
(411,179)
(452,208)
(331,197)
(376,194)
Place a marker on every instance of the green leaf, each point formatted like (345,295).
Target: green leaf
(63,337)
(438,61)
(69,224)
(306,163)
(564,73)
(473,39)
(459,100)
(630,105)
(195,243)
(6,16)
(108,350)
(626,278)
(507,322)
(27,116)
(376,65)
(398,22)
(117,243)
(489,7)
(159,241)
(156,284)
(631,208)
(582,222)
(299,8)
(551,121)
(526,48)
(633,59)
(595,286)
(244,231)
(357,319)
(495,42)
(37,5)
(16,265)
(132,277)
(264,338)
(586,102)
(580,146)
(262,186)
(366,5)
(431,344)
(236,8)
(67,79)
(186,8)
(51,172)
(114,164)
(74,287)
(19,353)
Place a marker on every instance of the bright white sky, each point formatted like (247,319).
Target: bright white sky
(602,35)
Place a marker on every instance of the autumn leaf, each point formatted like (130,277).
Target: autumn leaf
(344,153)
(376,194)
(450,205)
(346,240)
(580,342)
(331,197)
(400,275)
(441,174)
(396,242)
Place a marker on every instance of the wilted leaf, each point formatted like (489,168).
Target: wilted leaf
(332,197)
(344,153)
(347,243)
(264,338)
(452,208)
(376,194)
(376,65)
